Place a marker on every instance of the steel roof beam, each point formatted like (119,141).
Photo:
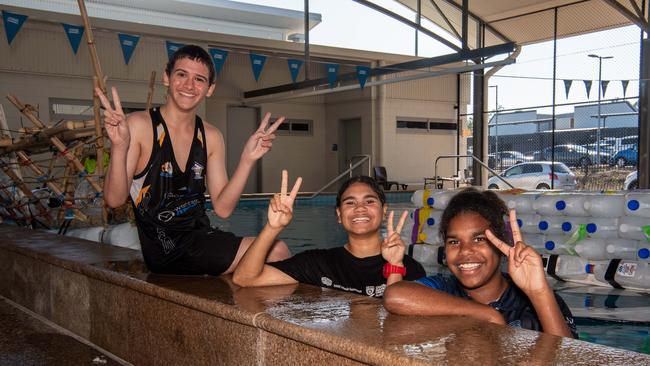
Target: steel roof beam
(463,55)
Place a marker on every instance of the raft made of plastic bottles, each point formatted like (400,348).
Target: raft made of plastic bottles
(428,254)
(437,199)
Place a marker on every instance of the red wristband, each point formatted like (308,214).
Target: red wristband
(390,269)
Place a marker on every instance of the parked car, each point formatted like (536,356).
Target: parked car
(631,181)
(620,143)
(536,175)
(625,157)
(571,155)
(506,159)
(605,149)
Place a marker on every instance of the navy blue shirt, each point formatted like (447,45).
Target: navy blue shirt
(514,305)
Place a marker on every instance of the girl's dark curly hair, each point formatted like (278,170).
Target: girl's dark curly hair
(485,203)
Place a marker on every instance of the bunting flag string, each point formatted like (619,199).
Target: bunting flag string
(603,85)
(294,68)
(567,87)
(218,58)
(624,84)
(13,22)
(332,74)
(362,74)
(257,63)
(74,33)
(588,87)
(172,47)
(128,42)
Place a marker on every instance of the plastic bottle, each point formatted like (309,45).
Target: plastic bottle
(635,228)
(628,273)
(605,205)
(88,233)
(528,223)
(637,204)
(555,225)
(122,235)
(628,249)
(556,244)
(547,204)
(572,204)
(522,203)
(429,235)
(568,267)
(437,199)
(603,227)
(428,254)
(592,248)
(536,241)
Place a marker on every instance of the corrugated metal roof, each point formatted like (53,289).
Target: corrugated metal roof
(524,21)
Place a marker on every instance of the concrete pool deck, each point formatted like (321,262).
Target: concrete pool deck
(104,295)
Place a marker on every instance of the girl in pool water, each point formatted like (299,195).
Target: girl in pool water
(365,265)
(473,231)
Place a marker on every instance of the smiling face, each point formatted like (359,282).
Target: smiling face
(470,256)
(188,83)
(361,211)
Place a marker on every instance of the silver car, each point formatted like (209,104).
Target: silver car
(631,181)
(535,175)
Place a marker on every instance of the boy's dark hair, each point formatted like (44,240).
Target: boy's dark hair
(193,52)
(485,203)
(370,182)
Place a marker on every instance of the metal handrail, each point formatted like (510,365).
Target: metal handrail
(435,167)
(345,172)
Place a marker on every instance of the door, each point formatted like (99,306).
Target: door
(350,145)
(242,123)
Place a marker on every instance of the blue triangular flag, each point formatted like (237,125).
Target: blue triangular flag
(257,63)
(588,87)
(567,87)
(128,43)
(294,68)
(218,58)
(172,47)
(332,74)
(603,85)
(74,33)
(12,22)
(624,84)
(362,74)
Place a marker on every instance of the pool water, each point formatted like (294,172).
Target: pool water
(604,316)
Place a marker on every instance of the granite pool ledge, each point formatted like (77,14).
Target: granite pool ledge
(105,295)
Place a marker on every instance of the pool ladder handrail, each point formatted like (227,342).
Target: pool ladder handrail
(435,167)
(348,171)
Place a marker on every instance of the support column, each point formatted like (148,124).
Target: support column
(644,115)
(478,141)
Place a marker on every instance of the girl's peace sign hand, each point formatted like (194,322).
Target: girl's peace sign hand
(524,264)
(393,248)
(281,205)
(115,120)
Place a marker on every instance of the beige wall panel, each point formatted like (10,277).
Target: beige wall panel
(409,157)
(440,88)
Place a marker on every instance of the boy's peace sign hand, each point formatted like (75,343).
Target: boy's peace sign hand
(261,141)
(115,120)
(281,205)
(524,264)
(393,248)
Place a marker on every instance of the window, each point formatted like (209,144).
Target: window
(294,127)
(78,109)
(423,125)
(514,171)
(532,168)
(560,168)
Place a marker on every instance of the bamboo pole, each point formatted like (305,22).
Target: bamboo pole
(6,134)
(98,131)
(25,160)
(152,82)
(25,190)
(97,67)
(27,111)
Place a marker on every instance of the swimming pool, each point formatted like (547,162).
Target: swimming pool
(604,316)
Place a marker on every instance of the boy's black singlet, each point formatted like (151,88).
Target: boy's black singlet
(169,207)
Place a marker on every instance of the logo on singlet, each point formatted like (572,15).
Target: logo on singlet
(198,170)
(166,169)
(377,291)
(165,216)
(326,281)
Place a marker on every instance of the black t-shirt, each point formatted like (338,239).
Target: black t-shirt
(338,269)
(514,305)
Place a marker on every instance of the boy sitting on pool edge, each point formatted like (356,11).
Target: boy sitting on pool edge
(365,265)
